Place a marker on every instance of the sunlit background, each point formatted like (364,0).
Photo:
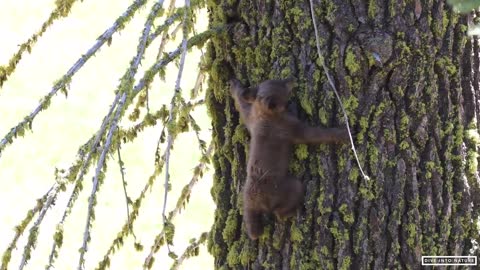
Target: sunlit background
(27,167)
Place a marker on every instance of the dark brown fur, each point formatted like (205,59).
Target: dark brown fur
(273,131)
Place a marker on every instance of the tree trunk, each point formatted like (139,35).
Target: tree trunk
(408,76)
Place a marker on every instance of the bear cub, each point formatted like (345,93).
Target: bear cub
(269,187)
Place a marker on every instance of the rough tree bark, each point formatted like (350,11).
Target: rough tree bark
(409,78)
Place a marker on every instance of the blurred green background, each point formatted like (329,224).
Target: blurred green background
(27,167)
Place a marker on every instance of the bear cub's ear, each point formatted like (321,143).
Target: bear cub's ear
(290,82)
(248,94)
(235,85)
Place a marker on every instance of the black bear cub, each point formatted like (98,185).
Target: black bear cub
(273,131)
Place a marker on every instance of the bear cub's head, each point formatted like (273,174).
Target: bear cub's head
(270,96)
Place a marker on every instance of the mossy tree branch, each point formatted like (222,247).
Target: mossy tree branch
(190,251)
(19,229)
(117,243)
(63,83)
(62,10)
(90,150)
(167,231)
(99,177)
(172,116)
(125,87)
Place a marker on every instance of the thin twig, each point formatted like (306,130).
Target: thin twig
(198,83)
(147,79)
(182,200)
(144,41)
(19,229)
(124,231)
(201,73)
(334,88)
(161,48)
(124,183)
(100,166)
(190,251)
(187,190)
(32,238)
(146,32)
(159,30)
(201,143)
(168,22)
(200,76)
(177,28)
(172,106)
(78,186)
